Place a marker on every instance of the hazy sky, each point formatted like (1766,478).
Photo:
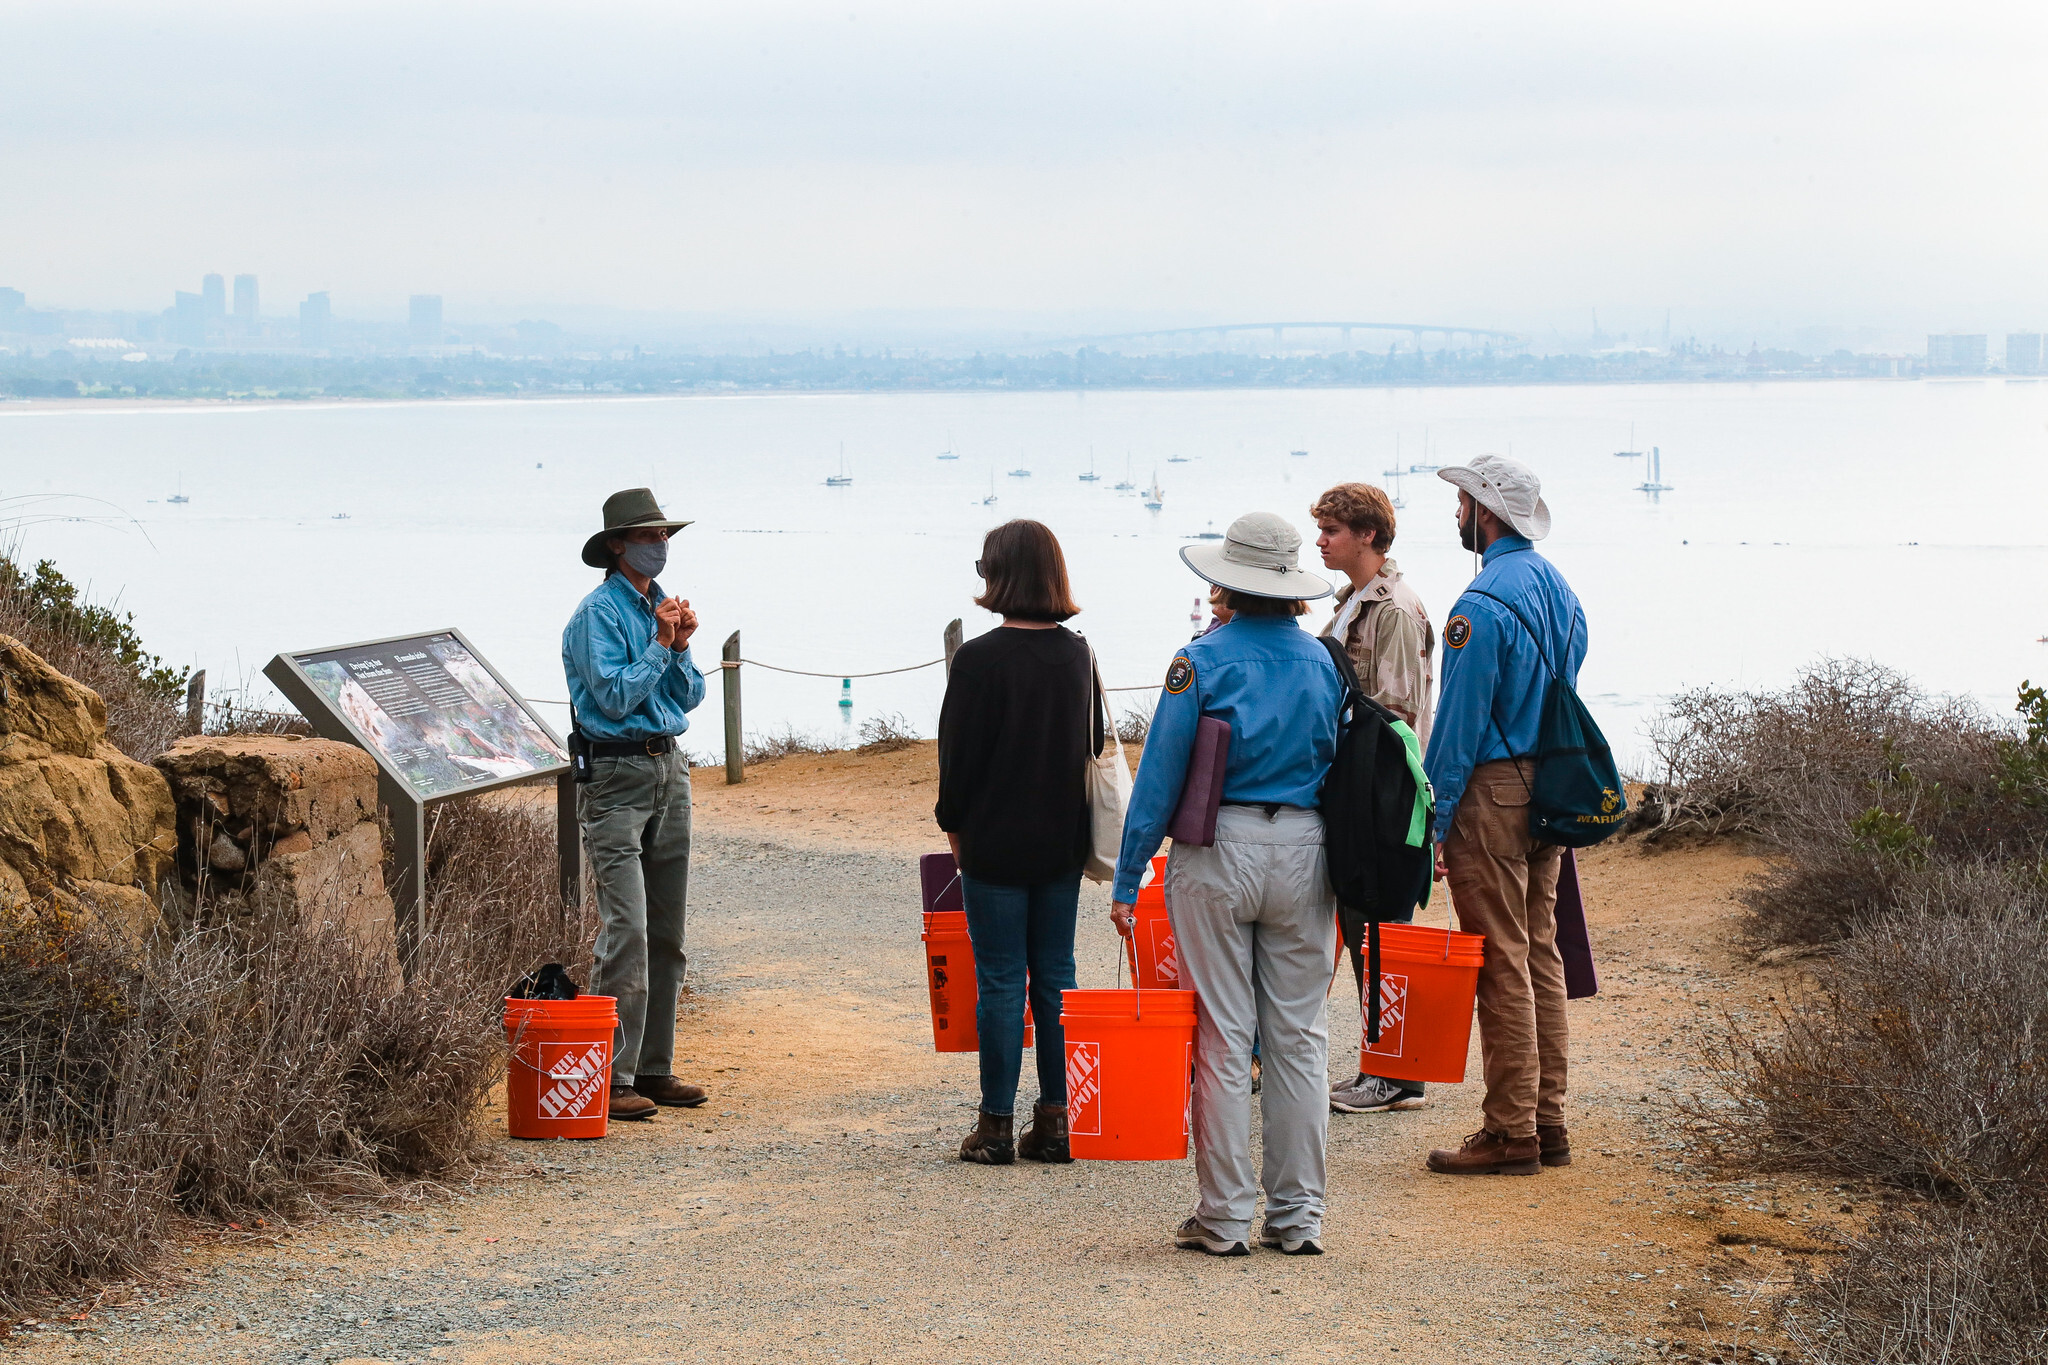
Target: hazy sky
(1512,164)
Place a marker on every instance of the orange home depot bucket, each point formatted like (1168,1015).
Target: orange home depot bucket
(559,1082)
(1128,1058)
(949,973)
(1428,979)
(1150,950)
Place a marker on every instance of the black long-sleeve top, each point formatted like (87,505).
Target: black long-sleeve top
(1015,734)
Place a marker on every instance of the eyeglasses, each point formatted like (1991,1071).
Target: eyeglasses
(977,570)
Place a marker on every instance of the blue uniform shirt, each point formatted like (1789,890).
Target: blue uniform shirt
(623,684)
(1492,670)
(1275,686)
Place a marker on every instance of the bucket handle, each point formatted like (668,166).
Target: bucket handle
(1132,951)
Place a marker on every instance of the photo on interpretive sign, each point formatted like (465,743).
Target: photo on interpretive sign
(433,711)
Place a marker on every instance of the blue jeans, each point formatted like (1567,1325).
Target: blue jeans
(1016,928)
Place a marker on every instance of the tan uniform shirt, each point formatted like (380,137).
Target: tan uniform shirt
(1393,648)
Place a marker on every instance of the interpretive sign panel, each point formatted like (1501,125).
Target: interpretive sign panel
(433,712)
(441,722)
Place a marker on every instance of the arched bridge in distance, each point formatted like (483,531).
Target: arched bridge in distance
(1449,332)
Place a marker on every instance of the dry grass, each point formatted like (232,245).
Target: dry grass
(265,1069)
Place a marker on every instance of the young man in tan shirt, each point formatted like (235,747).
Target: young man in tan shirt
(1385,629)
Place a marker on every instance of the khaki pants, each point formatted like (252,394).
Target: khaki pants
(635,813)
(1504,884)
(1255,926)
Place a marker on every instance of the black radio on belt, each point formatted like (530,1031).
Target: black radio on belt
(579,755)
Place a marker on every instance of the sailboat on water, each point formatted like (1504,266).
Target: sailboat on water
(179,496)
(990,500)
(1655,483)
(1091,476)
(1631,453)
(842,478)
(1126,486)
(947,453)
(1155,496)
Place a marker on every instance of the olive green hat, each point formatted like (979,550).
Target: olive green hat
(629,509)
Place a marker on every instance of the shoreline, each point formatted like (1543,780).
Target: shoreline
(152,403)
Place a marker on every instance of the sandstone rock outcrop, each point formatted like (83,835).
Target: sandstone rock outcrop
(286,822)
(81,823)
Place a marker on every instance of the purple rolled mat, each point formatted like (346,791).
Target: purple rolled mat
(1201,791)
(1574,945)
(941,882)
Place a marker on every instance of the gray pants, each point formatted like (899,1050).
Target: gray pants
(1255,924)
(635,813)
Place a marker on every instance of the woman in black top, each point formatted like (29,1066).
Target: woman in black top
(1014,738)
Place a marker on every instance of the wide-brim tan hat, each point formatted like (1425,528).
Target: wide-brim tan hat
(629,509)
(1507,488)
(1258,556)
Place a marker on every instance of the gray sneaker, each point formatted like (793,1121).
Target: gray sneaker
(1288,1245)
(1192,1236)
(1374,1095)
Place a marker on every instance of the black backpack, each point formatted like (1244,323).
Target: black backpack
(1376,807)
(1577,798)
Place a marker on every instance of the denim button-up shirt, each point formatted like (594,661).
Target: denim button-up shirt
(625,686)
(1273,683)
(1494,674)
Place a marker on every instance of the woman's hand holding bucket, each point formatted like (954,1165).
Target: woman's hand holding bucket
(1124,917)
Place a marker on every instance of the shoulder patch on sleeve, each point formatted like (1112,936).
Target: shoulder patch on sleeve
(1180,674)
(1457,631)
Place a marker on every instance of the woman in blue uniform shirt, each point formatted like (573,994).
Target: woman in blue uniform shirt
(1254,920)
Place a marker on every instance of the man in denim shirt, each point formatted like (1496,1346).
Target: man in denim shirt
(626,652)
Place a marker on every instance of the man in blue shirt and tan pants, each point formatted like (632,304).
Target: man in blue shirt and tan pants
(627,655)
(1517,621)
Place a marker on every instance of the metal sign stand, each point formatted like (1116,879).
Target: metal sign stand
(406,806)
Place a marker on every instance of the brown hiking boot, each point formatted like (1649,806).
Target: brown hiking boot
(628,1103)
(1046,1139)
(1556,1143)
(670,1091)
(1487,1153)
(990,1143)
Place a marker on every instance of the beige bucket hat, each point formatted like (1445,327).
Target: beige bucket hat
(1258,556)
(1507,488)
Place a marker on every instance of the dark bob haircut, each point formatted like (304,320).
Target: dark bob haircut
(1026,573)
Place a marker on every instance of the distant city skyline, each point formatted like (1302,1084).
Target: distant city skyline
(1752,167)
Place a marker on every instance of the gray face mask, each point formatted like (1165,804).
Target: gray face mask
(644,558)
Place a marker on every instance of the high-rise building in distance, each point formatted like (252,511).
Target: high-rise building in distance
(1957,352)
(424,318)
(2023,353)
(246,311)
(214,291)
(316,321)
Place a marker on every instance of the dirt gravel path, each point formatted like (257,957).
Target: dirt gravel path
(814,1209)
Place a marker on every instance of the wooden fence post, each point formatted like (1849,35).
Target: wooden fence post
(953,634)
(195,703)
(735,759)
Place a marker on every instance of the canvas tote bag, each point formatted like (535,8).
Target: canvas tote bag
(1107,782)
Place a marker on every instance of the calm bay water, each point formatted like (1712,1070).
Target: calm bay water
(1898,521)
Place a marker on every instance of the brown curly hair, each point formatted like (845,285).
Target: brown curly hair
(1362,507)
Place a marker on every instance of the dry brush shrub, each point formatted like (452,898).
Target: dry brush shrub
(887,733)
(98,646)
(263,1067)
(1921,1064)
(1857,784)
(1934,1285)
(1921,1061)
